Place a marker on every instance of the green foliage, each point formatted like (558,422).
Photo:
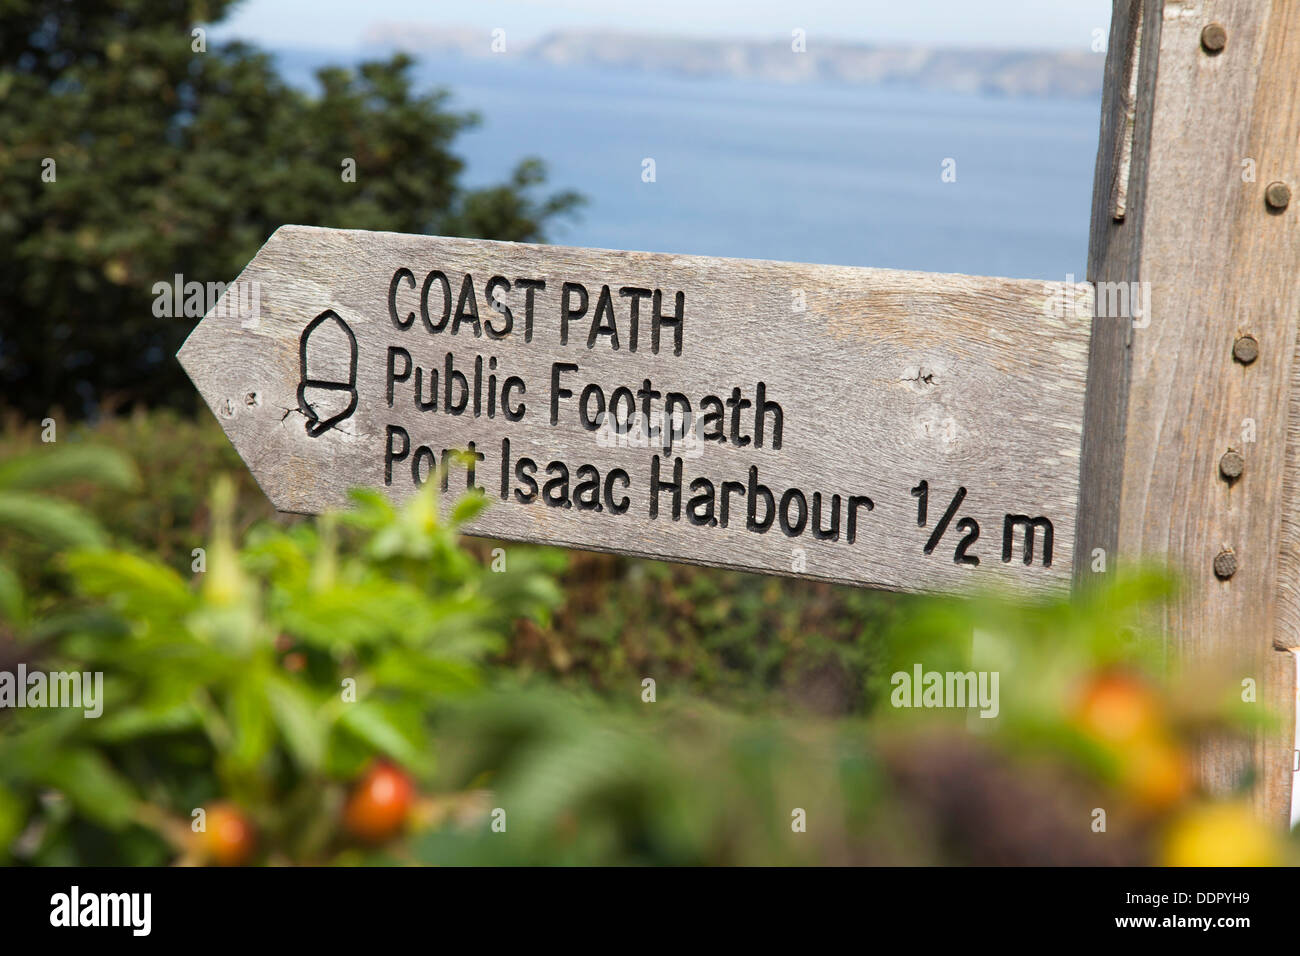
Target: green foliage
(269,680)
(37,524)
(506,691)
(166,511)
(174,161)
(612,780)
(751,641)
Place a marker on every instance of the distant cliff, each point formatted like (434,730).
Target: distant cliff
(1004,72)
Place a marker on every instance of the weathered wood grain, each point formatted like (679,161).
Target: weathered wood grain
(885,379)
(1166,397)
(1121,162)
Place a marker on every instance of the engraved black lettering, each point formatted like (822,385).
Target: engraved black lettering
(675,320)
(737,405)
(498,305)
(454,379)
(478,384)
(398,276)
(555,492)
(568,312)
(619,506)
(525,468)
(699,510)
(715,416)
(793,528)
(1030,525)
(755,493)
(446,466)
(586,493)
(833,532)
(393,375)
(602,323)
(937,534)
(922,495)
(728,489)
(589,421)
(675,426)
(656,486)
(423,464)
(391,454)
(557,390)
(446,301)
(516,412)
(855,502)
(636,295)
(471,466)
(622,394)
(971,533)
(647,393)
(505,469)
(529,286)
(467,307)
(761,409)
(431,403)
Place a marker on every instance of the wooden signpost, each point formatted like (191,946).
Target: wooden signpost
(891,429)
(1190,446)
(881,428)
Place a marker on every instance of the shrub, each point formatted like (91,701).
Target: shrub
(264,683)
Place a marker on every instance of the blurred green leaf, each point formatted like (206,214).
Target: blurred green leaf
(138,587)
(40,471)
(299,722)
(11,594)
(91,783)
(12,819)
(146,719)
(250,722)
(387,730)
(468,507)
(54,523)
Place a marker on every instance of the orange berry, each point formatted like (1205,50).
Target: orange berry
(228,838)
(1156,773)
(1118,709)
(379,804)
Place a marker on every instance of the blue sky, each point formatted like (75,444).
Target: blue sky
(334,24)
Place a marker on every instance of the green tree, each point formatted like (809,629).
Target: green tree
(128,156)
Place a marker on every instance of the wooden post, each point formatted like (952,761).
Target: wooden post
(1200,146)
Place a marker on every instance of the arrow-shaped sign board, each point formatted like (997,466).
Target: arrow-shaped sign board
(890,429)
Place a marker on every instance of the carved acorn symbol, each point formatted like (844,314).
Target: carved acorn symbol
(327,353)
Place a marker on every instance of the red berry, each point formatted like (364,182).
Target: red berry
(379,804)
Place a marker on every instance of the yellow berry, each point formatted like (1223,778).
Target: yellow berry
(1223,834)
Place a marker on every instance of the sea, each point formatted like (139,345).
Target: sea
(846,175)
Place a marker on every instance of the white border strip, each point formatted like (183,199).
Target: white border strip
(1295,748)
